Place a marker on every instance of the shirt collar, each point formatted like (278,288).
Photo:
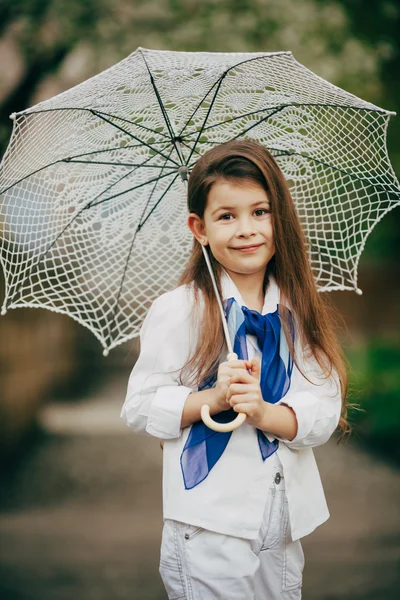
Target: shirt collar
(229,290)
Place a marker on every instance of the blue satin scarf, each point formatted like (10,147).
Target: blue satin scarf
(204,447)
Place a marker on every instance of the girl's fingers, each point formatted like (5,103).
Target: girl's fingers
(236,400)
(243,408)
(245,400)
(241,375)
(255,368)
(236,364)
(240,388)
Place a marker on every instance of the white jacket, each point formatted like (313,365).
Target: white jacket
(232,498)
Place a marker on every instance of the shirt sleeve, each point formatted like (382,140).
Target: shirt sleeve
(155,398)
(316,401)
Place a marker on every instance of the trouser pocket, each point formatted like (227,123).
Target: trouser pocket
(275,527)
(190,531)
(281,559)
(170,569)
(293,562)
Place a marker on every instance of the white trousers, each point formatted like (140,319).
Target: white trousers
(198,564)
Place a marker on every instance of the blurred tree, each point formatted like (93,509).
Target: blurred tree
(377,24)
(72,40)
(43,33)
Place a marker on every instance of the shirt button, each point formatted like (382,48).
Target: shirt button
(277,478)
(187,536)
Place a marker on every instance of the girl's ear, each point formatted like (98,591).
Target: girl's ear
(196,226)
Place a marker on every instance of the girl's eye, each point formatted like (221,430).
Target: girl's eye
(259,212)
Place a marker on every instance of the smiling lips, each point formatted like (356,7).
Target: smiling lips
(247,248)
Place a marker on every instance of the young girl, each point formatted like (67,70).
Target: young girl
(236,504)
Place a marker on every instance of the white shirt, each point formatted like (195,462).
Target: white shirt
(231,500)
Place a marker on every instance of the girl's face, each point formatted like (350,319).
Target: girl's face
(237,224)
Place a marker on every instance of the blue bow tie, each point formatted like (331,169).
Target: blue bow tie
(204,447)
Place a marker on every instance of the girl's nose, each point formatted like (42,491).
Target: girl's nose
(246,227)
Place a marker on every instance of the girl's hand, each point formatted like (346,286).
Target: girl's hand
(244,393)
(226,370)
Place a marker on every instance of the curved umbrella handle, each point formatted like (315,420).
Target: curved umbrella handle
(207,420)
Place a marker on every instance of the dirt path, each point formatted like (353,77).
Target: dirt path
(80,518)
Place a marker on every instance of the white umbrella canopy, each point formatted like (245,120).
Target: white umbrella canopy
(92,201)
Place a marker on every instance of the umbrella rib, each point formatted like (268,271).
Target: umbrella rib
(219,79)
(258,122)
(196,109)
(215,95)
(324,164)
(296,104)
(72,158)
(239,134)
(249,114)
(157,203)
(61,108)
(88,205)
(284,152)
(60,160)
(153,190)
(339,170)
(162,107)
(326,258)
(207,115)
(283,53)
(118,164)
(290,153)
(136,187)
(30,175)
(100,112)
(119,180)
(132,136)
(114,148)
(110,324)
(188,146)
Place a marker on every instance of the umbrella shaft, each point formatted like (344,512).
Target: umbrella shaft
(221,309)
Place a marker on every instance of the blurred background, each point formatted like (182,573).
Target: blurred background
(80,495)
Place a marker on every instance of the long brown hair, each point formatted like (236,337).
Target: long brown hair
(314,316)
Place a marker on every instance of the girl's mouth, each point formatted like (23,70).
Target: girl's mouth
(248,249)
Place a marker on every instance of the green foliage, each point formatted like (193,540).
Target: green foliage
(42,33)
(49,33)
(375,386)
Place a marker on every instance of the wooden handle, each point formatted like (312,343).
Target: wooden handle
(207,419)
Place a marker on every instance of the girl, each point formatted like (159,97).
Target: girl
(236,504)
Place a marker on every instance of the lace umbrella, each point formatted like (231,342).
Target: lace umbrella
(93,208)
